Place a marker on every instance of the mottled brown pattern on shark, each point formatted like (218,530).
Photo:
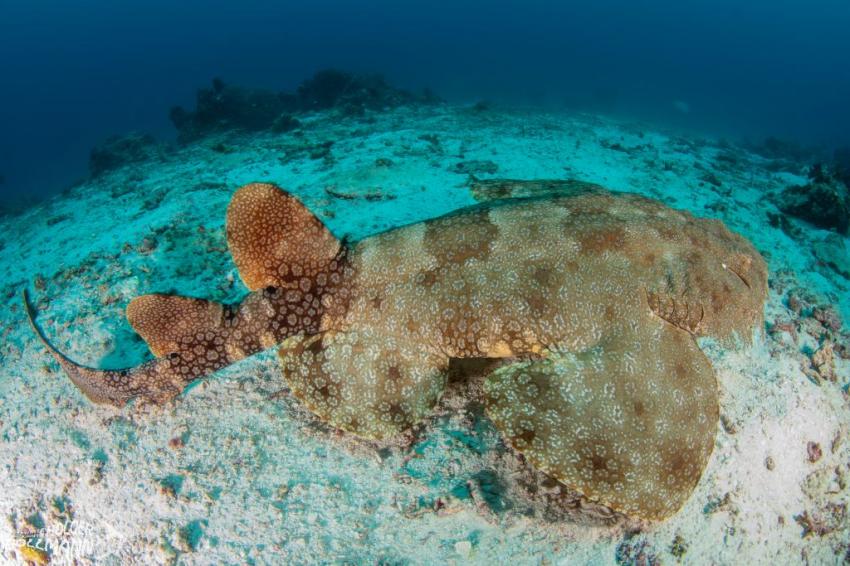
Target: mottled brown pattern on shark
(591,302)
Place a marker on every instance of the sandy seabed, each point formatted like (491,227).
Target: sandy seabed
(235,471)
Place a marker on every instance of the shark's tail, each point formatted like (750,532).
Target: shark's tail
(113,387)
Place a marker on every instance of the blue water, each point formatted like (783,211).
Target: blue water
(73,73)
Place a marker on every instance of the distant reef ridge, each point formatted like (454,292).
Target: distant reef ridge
(223,107)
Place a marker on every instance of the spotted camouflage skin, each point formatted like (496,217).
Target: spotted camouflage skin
(592,301)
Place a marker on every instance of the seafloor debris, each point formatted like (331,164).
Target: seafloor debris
(599,333)
(823,363)
(678,547)
(372,194)
(815,329)
(35,556)
(822,524)
(634,550)
(814,451)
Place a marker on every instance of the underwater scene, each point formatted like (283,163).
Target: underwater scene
(424,283)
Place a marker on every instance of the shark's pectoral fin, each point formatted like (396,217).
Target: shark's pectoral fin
(629,422)
(374,388)
(163,320)
(275,240)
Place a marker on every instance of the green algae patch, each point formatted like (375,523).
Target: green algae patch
(79,439)
(100,456)
(172,484)
(192,533)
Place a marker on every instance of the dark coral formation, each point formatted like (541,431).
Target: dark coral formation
(118,151)
(841,164)
(824,201)
(223,107)
(332,88)
(226,107)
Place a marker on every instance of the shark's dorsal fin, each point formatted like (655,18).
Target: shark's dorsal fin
(275,240)
(162,320)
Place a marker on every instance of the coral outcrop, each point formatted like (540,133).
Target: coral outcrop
(824,202)
(226,107)
(333,88)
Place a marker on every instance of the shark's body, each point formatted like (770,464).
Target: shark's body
(593,302)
